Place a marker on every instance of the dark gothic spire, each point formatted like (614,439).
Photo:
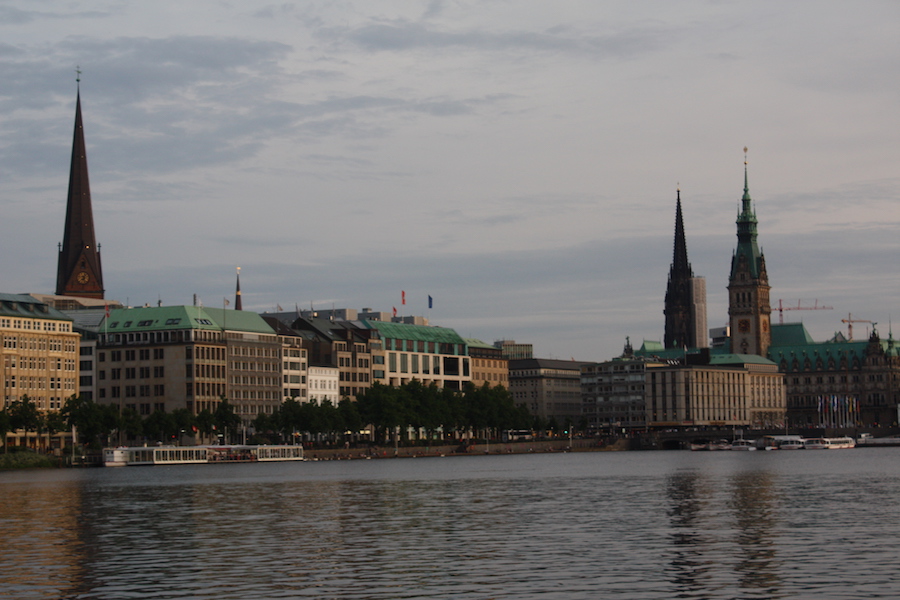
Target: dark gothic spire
(680,264)
(237,292)
(679,303)
(78,271)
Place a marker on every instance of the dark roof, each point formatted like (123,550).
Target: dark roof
(23,305)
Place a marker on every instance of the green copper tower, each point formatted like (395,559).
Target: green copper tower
(748,286)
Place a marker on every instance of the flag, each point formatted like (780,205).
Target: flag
(395,310)
(279,307)
(430,302)
(226,301)
(107,310)
(402,297)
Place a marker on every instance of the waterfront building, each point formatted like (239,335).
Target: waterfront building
(78,269)
(685,307)
(429,354)
(188,357)
(549,388)
(749,309)
(721,391)
(295,360)
(488,364)
(40,357)
(839,383)
(324,385)
(612,392)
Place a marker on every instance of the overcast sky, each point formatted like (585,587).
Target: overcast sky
(517,160)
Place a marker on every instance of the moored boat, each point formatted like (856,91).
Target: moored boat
(744,445)
(183,455)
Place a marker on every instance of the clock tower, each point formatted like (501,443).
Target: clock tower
(78,270)
(749,310)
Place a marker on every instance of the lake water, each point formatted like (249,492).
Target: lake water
(624,525)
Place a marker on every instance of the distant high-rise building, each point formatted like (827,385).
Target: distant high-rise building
(685,308)
(78,271)
(748,286)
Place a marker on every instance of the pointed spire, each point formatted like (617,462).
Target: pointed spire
(237,293)
(747,206)
(680,264)
(747,248)
(78,271)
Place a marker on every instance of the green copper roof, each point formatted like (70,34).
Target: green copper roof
(159,318)
(476,343)
(738,359)
(790,334)
(404,331)
(747,248)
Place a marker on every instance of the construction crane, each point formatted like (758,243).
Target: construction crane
(850,321)
(782,308)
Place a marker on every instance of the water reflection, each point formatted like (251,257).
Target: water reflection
(43,548)
(722,529)
(753,502)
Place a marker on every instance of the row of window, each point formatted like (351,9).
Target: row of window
(40,344)
(35,325)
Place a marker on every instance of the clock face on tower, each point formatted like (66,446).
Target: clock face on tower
(83,277)
(744,325)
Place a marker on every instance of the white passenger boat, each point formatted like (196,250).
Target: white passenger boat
(780,442)
(839,443)
(743,444)
(183,455)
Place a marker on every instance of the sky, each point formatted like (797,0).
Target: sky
(517,161)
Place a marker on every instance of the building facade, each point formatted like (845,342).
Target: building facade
(40,357)
(429,354)
(731,391)
(550,389)
(838,383)
(613,393)
(189,357)
(488,365)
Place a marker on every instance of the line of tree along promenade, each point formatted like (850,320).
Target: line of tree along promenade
(409,414)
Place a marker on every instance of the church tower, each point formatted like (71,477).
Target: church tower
(685,296)
(748,285)
(78,272)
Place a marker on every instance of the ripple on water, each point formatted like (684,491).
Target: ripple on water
(628,525)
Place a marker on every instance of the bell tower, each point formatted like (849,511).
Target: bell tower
(78,270)
(749,310)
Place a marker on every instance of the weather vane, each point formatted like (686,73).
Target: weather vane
(77,74)
(745,155)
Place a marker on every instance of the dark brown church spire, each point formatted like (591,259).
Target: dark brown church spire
(78,271)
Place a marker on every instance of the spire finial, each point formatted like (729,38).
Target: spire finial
(78,75)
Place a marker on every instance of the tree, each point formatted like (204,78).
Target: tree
(132,424)
(225,419)
(160,425)
(5,427)
(93,422)
(24,415)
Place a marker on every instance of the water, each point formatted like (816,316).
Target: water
(629,525)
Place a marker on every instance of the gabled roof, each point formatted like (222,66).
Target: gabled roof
(23,305)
